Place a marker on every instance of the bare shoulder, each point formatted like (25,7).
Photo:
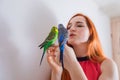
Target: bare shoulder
(109,70)
(108,63)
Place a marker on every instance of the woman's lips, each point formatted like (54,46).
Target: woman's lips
(71,35)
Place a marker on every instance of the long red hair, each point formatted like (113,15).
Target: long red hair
(95,51)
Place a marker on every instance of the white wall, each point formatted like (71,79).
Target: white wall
(25,23)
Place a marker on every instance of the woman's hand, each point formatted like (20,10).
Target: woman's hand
(53,55)
(53,59)
(69,57)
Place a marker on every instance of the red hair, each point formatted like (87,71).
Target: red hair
(95,51)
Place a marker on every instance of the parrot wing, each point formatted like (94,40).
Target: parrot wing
(62,39)
(50,37)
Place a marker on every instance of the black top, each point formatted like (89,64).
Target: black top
(82,58)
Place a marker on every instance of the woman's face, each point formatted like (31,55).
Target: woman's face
(78,30)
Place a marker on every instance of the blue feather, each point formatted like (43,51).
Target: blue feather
(62,39)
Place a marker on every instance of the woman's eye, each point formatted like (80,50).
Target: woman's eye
(80,26)
(68,27)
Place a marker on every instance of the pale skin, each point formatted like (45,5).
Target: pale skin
(78,36)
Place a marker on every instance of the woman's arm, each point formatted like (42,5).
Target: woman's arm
(109,70)
(72,65)
(52,58)
(76,72)
(56,75)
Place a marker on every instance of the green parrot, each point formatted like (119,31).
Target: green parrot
(49,41)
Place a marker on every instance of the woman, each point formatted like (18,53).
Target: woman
(83,57)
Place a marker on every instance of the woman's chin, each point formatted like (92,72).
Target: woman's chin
(71,42)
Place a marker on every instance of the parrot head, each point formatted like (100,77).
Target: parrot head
(54,29)
(60,26)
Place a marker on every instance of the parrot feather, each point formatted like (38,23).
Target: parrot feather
(49,41)
(62,39)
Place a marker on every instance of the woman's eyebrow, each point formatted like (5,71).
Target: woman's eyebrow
(78,22)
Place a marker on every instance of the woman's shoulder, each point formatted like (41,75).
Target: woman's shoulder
(108,62)
(109,67)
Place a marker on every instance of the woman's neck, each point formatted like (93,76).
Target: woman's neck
(81,50)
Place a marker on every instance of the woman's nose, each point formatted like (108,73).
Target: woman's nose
(72,28)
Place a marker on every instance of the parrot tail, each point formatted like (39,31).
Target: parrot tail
(42,57)
(61,60)
(41,45)
(61,55)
